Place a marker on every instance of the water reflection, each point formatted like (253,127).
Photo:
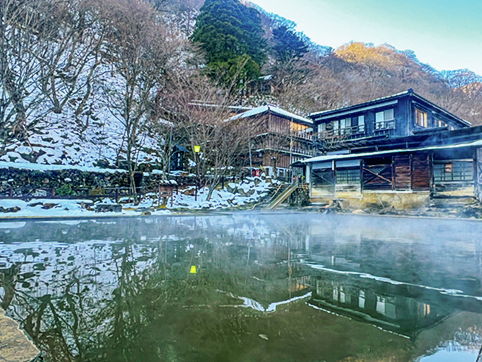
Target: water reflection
(267,288)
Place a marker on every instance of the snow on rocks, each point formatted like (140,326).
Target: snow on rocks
(249,191)
(244,193)
(47,208)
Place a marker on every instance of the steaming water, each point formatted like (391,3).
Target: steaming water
(283,287)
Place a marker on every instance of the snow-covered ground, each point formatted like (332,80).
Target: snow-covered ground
(235,194)
(248,192)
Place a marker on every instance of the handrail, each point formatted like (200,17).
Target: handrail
(385,125)
(283,196)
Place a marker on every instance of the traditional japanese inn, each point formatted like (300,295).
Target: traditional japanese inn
(395,151)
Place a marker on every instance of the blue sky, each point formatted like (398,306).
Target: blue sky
(447,34)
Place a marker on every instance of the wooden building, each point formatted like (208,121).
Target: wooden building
(365,125)
(411,151)
(282,138)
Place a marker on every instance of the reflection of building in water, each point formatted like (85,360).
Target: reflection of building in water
(421,252)
(373,302)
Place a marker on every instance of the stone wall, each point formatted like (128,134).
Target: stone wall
(68,182)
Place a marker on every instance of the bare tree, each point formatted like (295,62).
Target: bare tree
(69,64)
(201,112)
(22,35)
(140,51)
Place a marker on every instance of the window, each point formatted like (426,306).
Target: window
(345,123)
(345,126)
(453,171)
(361,123)
(385,119)
(439,123)
(386,115)
(421,118)
(358,124)
(348,176)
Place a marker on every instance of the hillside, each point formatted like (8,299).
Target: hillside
(96,82)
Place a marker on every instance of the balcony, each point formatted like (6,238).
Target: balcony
(384,127)
(303,151)
(287,149)
(342,134)
(304,135)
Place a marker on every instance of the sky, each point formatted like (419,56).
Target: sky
(447,34)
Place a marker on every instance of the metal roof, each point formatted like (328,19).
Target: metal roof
(476,143)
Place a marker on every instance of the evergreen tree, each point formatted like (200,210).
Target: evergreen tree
(231,36)
(287,45)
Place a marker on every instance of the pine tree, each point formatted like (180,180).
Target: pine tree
(287,45)
(231,36)
(288,70)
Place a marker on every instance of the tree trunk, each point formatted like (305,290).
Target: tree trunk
(212,187)
(132,170)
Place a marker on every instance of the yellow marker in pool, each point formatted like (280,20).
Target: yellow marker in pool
(193,269)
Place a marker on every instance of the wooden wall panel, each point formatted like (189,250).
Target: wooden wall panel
(421,172)
(377,177)
(402,172)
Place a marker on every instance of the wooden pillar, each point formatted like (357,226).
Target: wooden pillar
(478,174)
(362,165)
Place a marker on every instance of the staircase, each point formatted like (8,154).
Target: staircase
(280,197)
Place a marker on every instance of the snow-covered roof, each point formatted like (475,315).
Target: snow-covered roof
(207,105)
(266,77)
(476,143)
(273,109)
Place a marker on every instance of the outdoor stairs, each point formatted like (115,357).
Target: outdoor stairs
(272,194)
(282,196)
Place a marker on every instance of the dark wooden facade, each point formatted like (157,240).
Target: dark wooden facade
(364,125)
(408,162)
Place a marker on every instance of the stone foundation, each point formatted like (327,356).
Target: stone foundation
(381,199)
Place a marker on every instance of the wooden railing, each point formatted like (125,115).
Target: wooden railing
(342,134)
(385,125)
(305,135)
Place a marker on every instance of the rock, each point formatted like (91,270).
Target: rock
(263,336)
(390,210)
(14,344)
(49,206)
(250,193)
(358,212)
(108,208)
(9,209)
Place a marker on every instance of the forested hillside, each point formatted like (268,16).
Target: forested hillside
(113,82)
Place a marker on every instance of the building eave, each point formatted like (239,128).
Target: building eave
(476,143)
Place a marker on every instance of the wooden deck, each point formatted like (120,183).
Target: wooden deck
(14,344)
